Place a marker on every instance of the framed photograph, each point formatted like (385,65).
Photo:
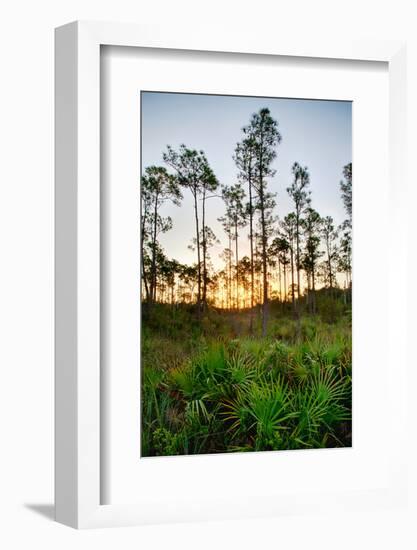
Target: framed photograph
(216,197)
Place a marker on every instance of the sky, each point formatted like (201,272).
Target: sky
(315,133)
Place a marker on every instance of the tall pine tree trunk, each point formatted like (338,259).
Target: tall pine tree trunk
(252,270)
(264,264)
(329,263)
(198,256)
(204,252)
(237,267)
(230,271)
(142,256)
(153,268)
(285,279)
(313,286)
(279,280)
(292,281)
(298,258)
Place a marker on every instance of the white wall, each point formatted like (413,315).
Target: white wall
(26,266)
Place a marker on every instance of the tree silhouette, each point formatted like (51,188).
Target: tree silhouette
(299,193)
(146,205)
(330,235)
(245,159)
(284,259)
(235,215)
(158,186)
(207,240)
(280,248)
(244,272)
(188,275)
(345,257)
(227,255)
(288,225)
(345,263)
(209,185)
(193,172)
(263,129)
(311,224)
(346,190)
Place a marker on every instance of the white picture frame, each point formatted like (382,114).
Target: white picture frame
(77,242)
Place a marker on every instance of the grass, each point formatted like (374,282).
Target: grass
(210,390)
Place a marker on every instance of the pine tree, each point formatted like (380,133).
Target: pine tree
(299,193)
(312,223)
(193,172)
(235,214)
(158,186)
(263,129)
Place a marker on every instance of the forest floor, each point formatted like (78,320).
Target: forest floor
(218,386)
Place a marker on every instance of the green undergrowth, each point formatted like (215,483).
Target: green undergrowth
(210,391)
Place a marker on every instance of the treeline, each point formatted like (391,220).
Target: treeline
(288,259)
